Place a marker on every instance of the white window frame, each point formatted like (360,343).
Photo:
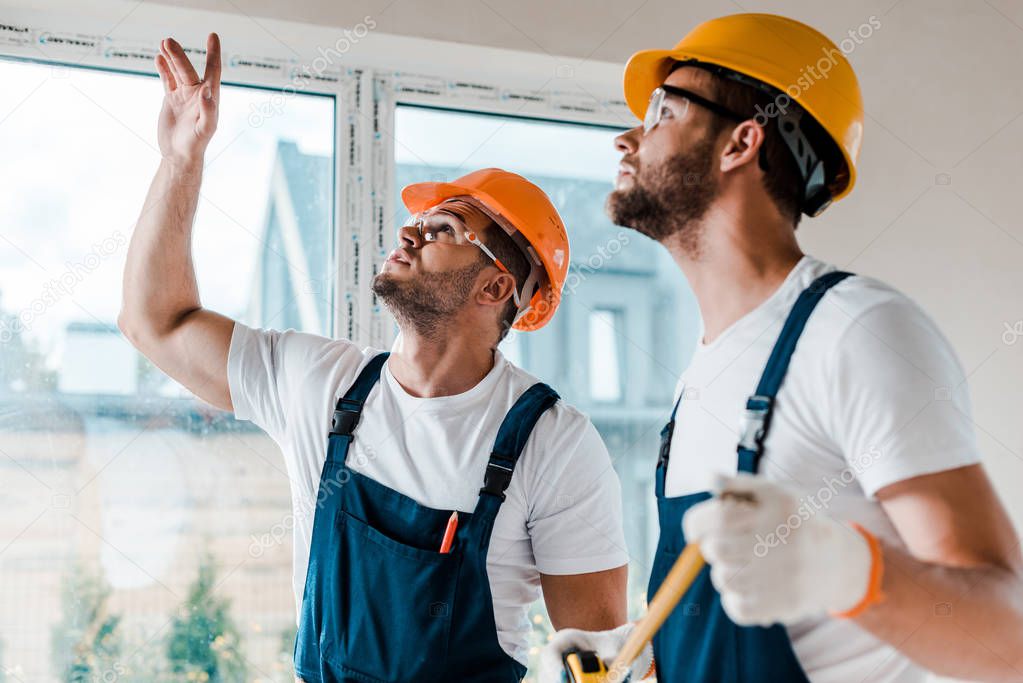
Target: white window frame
(464,78)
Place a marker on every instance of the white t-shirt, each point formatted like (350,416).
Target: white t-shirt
(563,511)
(874,395)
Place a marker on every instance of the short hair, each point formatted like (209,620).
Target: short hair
(509,253)
(782,179)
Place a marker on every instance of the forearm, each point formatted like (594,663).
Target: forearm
(160,288)
(962,622)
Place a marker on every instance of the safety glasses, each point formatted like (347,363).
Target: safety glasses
(441,228)
(655,108)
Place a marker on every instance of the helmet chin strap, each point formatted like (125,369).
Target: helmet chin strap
(526,292)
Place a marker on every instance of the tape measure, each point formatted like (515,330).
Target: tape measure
(583,666)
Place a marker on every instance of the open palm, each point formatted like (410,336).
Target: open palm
(188,118)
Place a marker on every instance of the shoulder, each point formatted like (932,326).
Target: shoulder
(862,313)
(858,295)
(865,334)
(564,442)
(559,423)
(294,356)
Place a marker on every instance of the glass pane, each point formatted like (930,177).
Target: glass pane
(613,271)
(605,379)
(144,532)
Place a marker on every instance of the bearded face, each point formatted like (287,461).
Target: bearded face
(426,301)
(667,199)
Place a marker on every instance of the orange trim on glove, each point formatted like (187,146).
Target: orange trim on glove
(873,594)
(651,671)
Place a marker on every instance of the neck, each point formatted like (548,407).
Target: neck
(443,364)
(742,260)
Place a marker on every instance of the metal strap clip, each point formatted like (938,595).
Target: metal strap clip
(753,426)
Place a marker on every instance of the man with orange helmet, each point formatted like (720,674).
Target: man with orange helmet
(862,539)
(437,487)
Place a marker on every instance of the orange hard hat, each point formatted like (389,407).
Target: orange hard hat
(781,53)
(525,212)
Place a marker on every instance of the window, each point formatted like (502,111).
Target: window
(624,298)
(126,500)
(605,378)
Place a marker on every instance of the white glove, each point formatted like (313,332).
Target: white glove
(605,643)
(777,559)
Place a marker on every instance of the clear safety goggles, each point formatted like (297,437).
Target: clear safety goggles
(443,228)
(656,108)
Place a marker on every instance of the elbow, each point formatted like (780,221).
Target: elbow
(134,329)
(126,324)
(147,331)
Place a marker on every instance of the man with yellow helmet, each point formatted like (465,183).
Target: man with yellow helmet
(862,539)
(436,488)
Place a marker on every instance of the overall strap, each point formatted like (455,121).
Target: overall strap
(760,406)
(349,407)
(665,451)
(512,436)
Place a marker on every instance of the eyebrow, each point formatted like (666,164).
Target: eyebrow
(446,218)
(458,210)
(461,210)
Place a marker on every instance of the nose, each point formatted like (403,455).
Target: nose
(409,237)
(628,142)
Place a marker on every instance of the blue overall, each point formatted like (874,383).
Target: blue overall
(381,603)
(698,642)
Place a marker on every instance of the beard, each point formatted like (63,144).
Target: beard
(424,304)
(668,201)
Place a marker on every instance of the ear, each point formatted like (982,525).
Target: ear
(743,146)
(497,288)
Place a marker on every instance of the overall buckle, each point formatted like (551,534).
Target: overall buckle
(344,421)
(496,480)
(753,425)
(665,450)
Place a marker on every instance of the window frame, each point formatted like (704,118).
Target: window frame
(366,96)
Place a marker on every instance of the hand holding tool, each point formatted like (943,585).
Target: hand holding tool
(587,666)
(582,666)
(783,559)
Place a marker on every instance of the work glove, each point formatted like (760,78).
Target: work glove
(775,558)
(605,643)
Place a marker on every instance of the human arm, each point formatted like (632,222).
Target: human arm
(161,313)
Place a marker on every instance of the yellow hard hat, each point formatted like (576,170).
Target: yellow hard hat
(783,53)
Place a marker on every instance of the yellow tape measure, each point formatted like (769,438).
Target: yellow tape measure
(584,667)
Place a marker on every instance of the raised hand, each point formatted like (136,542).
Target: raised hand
(188,118)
